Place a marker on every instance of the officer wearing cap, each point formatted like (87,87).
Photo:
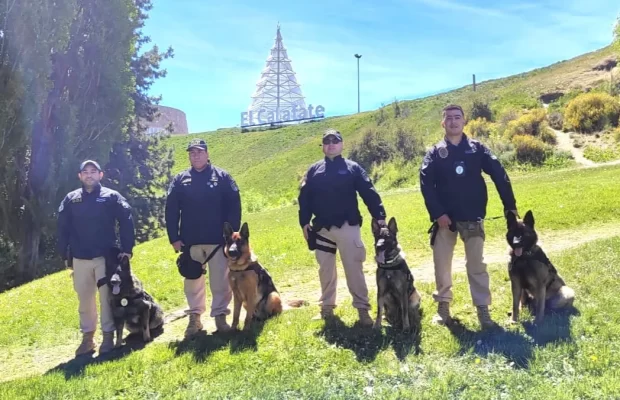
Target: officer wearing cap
(87,219)
(455,195)
(329,192)
(199,201)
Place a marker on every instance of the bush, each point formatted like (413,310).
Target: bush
(548,136)
(373,148)
(528,124)
(592,112)
(617,135)
(478,128)
(556,120)
(529,149)
(598,154)
(480,109)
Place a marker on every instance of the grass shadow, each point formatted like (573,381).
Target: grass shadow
(555,327)
(77,365)
(201,345)
(512,345)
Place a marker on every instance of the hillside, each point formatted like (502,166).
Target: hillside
(268,165)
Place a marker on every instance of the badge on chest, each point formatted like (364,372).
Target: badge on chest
(460,168)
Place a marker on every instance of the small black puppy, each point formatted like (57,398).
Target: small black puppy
(396,293)
(131,304)
(534,279)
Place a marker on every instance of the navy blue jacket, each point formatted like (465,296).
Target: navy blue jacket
(87,222)
(451,180)
(329,191)
(202,202)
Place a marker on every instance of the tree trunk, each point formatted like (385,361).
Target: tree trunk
(28,259)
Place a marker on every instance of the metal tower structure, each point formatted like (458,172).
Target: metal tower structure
(277,89)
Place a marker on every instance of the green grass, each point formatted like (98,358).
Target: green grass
(268,165)
(598,154)
(570,356)
(293,357)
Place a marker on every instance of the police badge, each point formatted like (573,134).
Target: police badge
(443,152)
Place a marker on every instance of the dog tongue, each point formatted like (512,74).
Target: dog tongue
(518,251)
(116,289)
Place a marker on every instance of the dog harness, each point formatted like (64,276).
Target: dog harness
(263,277)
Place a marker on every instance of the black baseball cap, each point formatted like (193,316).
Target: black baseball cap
(197,144)
(90,162)
(332,132)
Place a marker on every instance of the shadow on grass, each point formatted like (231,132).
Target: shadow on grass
(515,346)
(367,342)
(202,345)
(76,366)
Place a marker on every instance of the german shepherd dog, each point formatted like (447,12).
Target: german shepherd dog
(396,293)
(534,279)
(251,284)
(132,306)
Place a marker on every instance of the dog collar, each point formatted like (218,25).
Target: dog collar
(394,263)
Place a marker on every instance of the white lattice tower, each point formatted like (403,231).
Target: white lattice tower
(277,90)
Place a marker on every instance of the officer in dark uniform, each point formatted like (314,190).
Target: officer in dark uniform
(329,192)
(455,195)
(200,200)
(86,232)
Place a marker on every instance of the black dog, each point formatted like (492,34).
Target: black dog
(534,279)
(396,292)
(131,304)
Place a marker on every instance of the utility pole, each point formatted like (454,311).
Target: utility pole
(474,75)
(358,56)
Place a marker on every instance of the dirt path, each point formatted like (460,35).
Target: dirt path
(29,361)
(566,143)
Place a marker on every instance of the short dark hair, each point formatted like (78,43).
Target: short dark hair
(452,107)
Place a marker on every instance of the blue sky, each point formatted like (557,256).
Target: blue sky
(410,48)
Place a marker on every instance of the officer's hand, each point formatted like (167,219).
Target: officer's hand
(516,213)
(121,255)
(177,245)
(306,228)
(444,221)
(381,222)
(67,264)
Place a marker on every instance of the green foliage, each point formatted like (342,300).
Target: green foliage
(529,149)
(479,128)
(599,154)
(531,123)
(616,134)
(548,136)
(591,112)
(480,109)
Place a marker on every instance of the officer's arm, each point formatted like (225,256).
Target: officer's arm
(173,211)
(64,227)
(233,204)
(428,187)
(492,166)
(126,226)
(305,213)
(368,193)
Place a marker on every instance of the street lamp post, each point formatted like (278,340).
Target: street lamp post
(358,56)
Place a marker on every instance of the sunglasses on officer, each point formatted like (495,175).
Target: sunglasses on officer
(331,140)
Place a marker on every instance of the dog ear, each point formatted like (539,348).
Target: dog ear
(528,219)
(375,226)
(228,230)
(245,231)
(511,220)
(392,225)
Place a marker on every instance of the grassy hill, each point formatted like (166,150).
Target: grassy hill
(268,165)
(569,356)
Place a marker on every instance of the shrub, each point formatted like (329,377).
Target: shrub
(548,136)
(373,148)
(480,109)
(617,135)
(556,120)
(478,128)
(592,112)
(598,154)
(529,149)
(527,124)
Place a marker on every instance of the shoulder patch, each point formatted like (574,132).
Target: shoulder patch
(233,184)
(442,151)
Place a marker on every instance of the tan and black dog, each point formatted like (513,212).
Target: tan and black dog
(251,284)
(534,279)
(396,293)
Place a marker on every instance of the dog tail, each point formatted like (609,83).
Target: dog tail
(296,303)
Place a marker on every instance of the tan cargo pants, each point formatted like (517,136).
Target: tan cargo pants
(349,243)
(195,290)
(86,273)
(472,235)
